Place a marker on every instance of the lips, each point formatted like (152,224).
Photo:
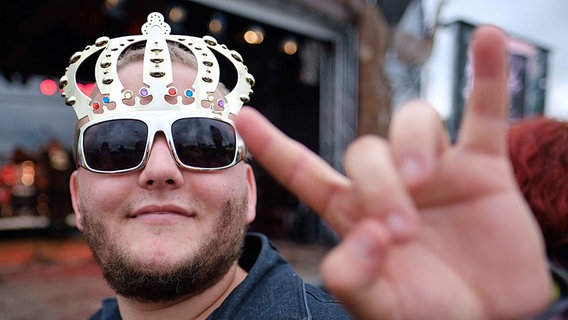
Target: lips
(161,210)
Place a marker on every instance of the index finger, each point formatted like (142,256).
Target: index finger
(297,168)
(484,125)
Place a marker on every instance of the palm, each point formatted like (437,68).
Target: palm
(461,232)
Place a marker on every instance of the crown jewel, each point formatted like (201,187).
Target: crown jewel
(158,86)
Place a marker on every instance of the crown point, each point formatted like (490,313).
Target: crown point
(188,93)
(155,24)
(96,105)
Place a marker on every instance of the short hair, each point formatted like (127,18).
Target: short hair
(135,53)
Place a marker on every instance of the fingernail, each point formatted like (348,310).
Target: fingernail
(410,170)
(361,245)
(397,224)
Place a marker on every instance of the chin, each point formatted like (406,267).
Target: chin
(160,250)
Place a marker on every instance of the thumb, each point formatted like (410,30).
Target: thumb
(351,271)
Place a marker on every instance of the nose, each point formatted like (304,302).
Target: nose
(161,169)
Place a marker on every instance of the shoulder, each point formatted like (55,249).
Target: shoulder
(322,305)
(108,311)
(273,290)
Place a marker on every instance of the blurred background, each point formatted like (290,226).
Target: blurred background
(326,71)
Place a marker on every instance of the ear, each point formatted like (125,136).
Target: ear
(251,203)
(73,188)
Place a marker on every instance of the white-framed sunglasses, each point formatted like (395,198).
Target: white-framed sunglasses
(122,143)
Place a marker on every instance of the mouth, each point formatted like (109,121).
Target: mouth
(161,214)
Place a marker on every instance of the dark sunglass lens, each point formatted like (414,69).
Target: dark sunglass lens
(115,145)
(204,142)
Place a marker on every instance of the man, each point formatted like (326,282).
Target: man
(431,231)
(161,193)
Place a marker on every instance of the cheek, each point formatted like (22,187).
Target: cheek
(101,195)
(216,189)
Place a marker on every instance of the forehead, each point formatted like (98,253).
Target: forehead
(132,74)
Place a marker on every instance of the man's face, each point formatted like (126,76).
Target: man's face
(164,232)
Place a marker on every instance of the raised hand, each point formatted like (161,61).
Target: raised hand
(430,230)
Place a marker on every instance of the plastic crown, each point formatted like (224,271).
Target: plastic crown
(157,76)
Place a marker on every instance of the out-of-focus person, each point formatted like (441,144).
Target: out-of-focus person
(538,148)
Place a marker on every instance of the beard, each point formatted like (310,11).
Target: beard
(139,281)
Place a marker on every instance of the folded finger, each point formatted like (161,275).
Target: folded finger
(378,188)
(417,137)
(350,272)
